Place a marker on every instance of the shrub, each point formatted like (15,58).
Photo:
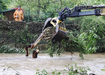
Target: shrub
(71,70)
(9,49)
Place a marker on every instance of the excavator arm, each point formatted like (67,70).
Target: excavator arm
(60,31)
(33,44)
(43,35)
(77,11)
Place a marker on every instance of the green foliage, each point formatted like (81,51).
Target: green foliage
(1,17)
(43,72)
(74,69)
(2,5)
(65,45)
(26,17)
(90,37)
(41,9)
(56,72)
(92,33)
(103,69)
(9,49)
(22,36)
(92,2)
(88,40)
(55,48)
(71,70)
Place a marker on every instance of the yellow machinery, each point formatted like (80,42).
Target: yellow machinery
(57,26)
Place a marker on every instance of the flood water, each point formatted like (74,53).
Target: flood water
(11,64)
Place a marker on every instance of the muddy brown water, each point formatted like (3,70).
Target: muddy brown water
(11,64)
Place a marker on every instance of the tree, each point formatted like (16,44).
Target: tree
(2,5)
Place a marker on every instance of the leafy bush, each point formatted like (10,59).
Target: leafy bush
(70,45)
(22,36)
(92,33)
(1,17)
(71,70)
(28,18)
(88,40)
(2,5)
(9,49)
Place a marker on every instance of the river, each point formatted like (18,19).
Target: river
(19,64)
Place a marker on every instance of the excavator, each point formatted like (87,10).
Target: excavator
(57,26)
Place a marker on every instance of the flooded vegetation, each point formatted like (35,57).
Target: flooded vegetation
(19,64)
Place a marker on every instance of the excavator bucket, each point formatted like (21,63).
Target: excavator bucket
(56,33)
(59,35)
